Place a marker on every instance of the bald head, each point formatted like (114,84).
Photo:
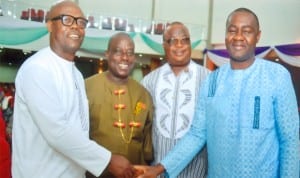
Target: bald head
(61,7)
(245,10)
(170,27)
(66,25)
(118,37)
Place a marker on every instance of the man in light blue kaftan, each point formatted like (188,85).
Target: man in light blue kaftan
(251,124)
(247,114)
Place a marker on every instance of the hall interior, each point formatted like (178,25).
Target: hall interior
(144,21)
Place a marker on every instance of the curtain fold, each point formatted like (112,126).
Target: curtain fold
(98,44)
(95,40)
(289,53)
(17,36)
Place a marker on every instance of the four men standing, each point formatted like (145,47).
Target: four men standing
(241,110)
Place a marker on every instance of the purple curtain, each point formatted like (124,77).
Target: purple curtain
(224,53)
(290,49)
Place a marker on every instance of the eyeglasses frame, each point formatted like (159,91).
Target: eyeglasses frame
(61,18)
(175,41)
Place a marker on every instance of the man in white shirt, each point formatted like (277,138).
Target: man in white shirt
(51,125)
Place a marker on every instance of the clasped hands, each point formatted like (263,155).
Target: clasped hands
(143,171)
(120,167)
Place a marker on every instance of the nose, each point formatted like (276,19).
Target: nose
(74,24)
(238,36)
(178,43)
(125,56)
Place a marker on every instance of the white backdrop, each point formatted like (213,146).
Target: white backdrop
(279,19)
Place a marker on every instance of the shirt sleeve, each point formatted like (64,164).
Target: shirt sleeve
(287,124)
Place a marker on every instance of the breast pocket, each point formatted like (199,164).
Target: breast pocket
(259,114)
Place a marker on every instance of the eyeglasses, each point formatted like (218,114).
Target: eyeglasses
(174,41)
(68,20)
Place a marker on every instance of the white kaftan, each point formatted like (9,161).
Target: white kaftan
(50,129)
(174,99)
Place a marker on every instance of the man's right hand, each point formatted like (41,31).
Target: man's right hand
(120,167)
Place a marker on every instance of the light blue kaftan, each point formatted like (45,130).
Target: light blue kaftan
(250,122)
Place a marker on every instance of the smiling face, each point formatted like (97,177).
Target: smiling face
(121,57)
(65,40)
(242,35)
(177,46)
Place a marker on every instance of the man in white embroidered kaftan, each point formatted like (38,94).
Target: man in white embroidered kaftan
(174,88)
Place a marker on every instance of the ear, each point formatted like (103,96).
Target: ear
(49,26)
(163,43)
(165,46)
(258,36)
(106,53)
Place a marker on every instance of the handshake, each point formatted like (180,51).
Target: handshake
(120,167)
(142,171)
